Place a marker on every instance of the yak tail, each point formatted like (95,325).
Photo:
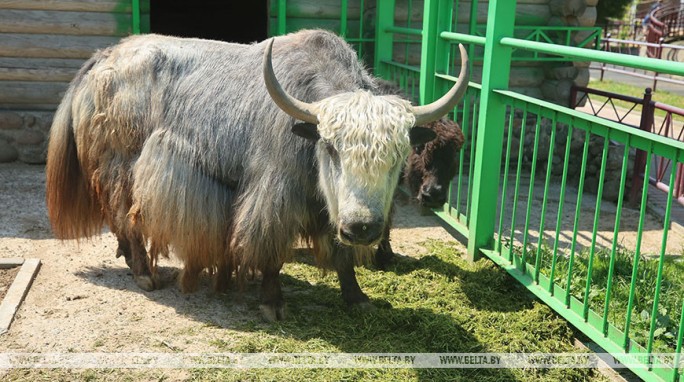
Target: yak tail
(72,208)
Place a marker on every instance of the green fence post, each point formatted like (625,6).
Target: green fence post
(487,170)
(135,16)
(282,17)
(434,55)
(384,40)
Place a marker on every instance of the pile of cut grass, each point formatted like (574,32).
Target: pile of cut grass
(438,303)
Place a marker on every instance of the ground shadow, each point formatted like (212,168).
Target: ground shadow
(317,313)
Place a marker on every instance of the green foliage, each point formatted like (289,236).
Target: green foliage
(671,290)
(614,9)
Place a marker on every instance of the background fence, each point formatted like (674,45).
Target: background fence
(517,211)
(541,186)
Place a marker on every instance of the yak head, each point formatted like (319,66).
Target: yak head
(362,142)
(431,167)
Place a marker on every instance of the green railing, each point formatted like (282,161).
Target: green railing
(530,190)
(349,24)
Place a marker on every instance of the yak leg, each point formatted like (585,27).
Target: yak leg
(384,254)
(189,277)
(272,303)
(139,263)
(351,291)
(224,272)
(124,250)
(134,252)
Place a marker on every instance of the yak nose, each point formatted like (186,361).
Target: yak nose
(361,233)
(433,195)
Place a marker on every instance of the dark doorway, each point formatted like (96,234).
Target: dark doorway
(226,20)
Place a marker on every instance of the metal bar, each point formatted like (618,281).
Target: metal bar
(597,214)
(428,51)
(384,40)
(466,38)
(135,16)
(505,180)
(518,171)
(616,231)
(495,75)
(637,252)
(660,142)
(547,181)
(584,54)
(661,262)
(530,194)
(343,18)
(561,202)
(282,17)
(473,134)
(465,121)
(678,349)
(405,30)
(578,209)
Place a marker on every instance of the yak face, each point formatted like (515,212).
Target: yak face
(362,144)
(432,166)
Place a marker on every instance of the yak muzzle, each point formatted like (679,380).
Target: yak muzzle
(432,196)
(361,233)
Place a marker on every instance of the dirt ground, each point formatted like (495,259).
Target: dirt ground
(6,278)
(84,299)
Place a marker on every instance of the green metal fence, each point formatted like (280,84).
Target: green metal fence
(523,198)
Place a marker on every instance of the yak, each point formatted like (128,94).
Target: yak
(429,169)
(225,154)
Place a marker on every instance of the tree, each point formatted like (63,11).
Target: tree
(606,9)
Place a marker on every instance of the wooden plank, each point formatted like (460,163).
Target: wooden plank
(11,262)
(75,5)
(52,46)
(38,69)
(17,292)
(32,107)
(37,74)
(26,93)
(39,63)
(58,22)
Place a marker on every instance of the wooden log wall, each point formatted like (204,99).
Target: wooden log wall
(43,43)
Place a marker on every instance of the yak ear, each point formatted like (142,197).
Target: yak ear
(306,130)
(420,135)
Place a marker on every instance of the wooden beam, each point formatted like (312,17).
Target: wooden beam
(75,5)
(52,46)
(71,23)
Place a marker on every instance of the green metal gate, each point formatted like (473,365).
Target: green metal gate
(629,304)
(629,299)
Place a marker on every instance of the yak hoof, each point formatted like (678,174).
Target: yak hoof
(272,313)
(145,282)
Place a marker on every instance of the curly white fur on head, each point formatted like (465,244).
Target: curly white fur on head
(371,133)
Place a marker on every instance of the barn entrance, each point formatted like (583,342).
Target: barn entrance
(234,21)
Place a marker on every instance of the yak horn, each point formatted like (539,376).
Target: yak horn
(292,106)
(436,110)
